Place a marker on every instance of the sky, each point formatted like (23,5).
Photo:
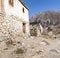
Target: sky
(36,6)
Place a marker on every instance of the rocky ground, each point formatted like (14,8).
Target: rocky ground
(30,47)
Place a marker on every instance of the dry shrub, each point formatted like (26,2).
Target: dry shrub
(20,51)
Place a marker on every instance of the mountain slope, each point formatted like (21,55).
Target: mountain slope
(46,18)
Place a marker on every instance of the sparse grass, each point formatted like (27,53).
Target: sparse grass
(9,42)
(19,51)
(39,52)
(58,32)
(5,48)
(49,29)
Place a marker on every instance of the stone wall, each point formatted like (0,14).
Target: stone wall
(10,26)
(36,30)
(33,30)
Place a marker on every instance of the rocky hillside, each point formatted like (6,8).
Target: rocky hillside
(14,45)
(46,18)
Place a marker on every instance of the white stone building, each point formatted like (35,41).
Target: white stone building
(19,13)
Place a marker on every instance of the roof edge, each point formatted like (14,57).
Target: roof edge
(24,5)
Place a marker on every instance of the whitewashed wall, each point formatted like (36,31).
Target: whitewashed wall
(0,6)
(17,11)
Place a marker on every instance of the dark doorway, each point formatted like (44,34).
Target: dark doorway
(24,27)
